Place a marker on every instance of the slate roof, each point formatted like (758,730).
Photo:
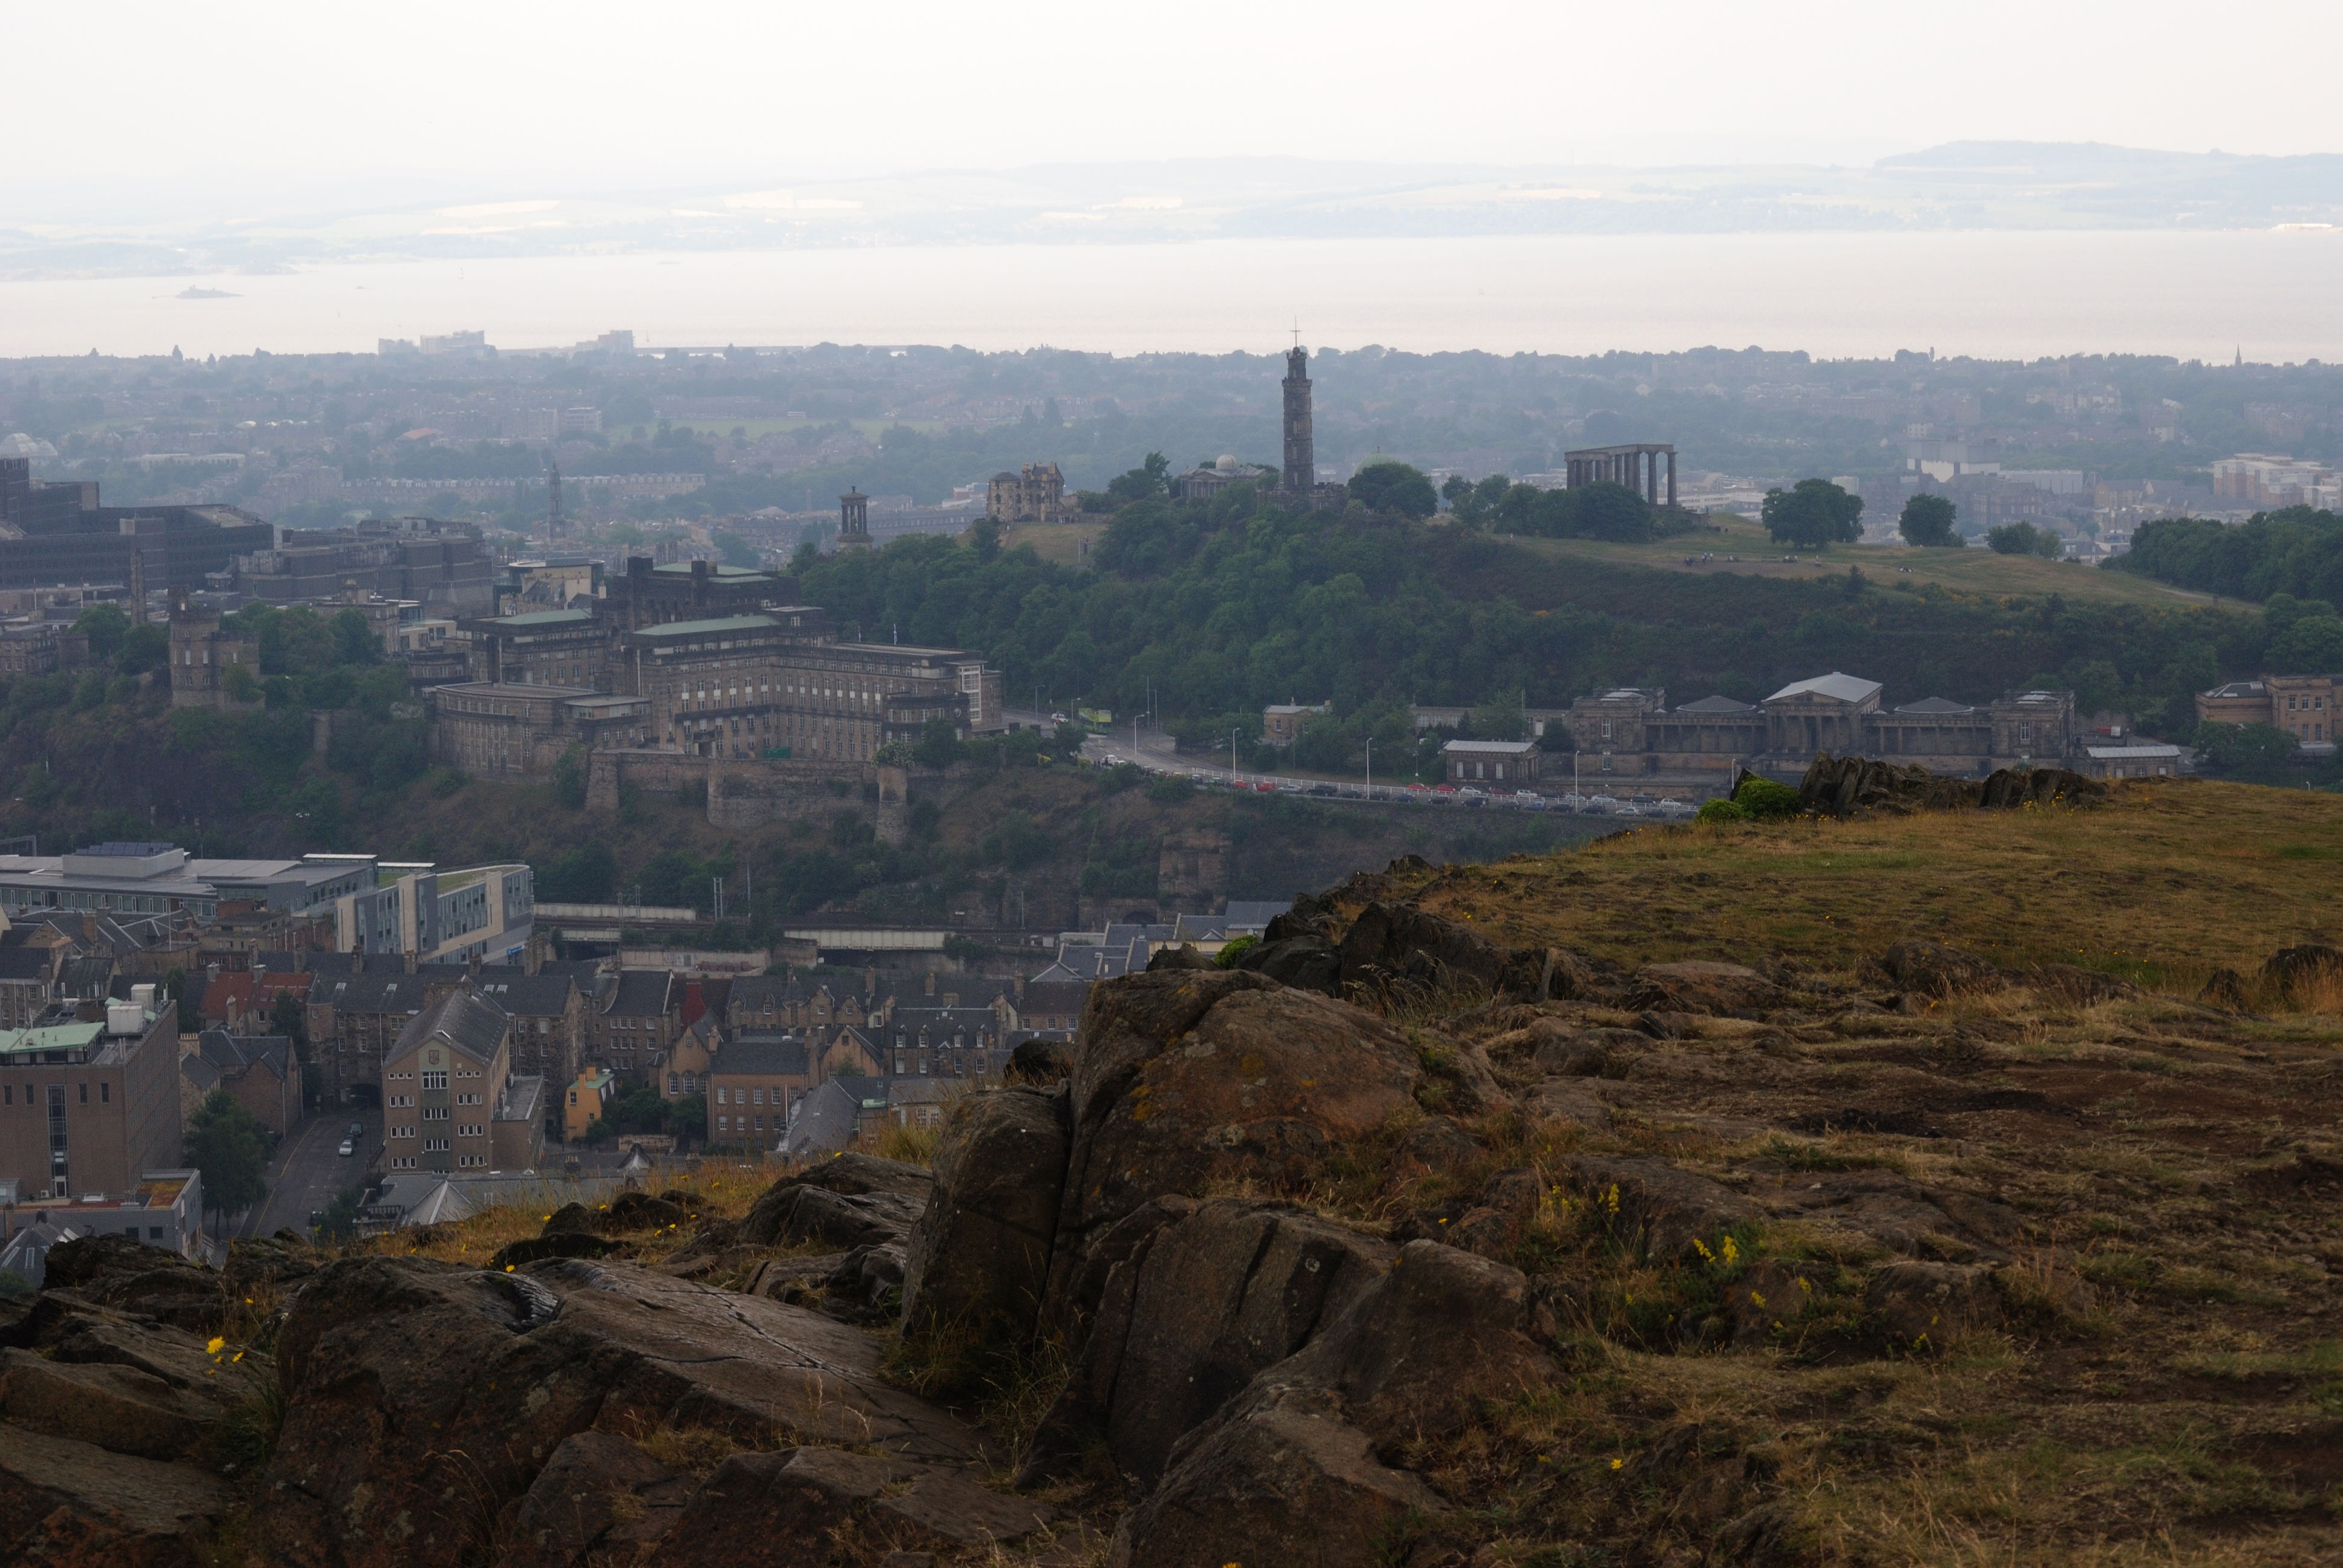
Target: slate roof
(85,977)
(642,993)
(368,993)
(1719,704)
(463,1020)
(1837,685)
(529,996)
(21,962)
(762,1056)
(1937,705)
(233,1055)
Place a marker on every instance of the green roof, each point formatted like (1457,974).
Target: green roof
(54,1037)
(707,628)
(714,569)
(546,617)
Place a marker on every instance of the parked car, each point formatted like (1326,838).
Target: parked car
(358,1130)
(1529,800)
(1324,789)
(349,1147)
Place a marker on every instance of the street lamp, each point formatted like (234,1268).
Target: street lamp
(1370,766)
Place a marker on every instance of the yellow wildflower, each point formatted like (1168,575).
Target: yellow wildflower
(214,1347)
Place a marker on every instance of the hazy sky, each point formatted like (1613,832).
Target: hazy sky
(507,96)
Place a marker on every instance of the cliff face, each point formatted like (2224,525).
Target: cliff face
(1399,1245)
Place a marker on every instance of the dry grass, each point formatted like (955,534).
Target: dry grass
(2164,884)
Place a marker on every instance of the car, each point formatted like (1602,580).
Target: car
(1059,719)
(1265,787)
(358,1130)
(1324,789)
(349,1147)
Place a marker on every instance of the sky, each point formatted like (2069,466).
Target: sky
(212,104)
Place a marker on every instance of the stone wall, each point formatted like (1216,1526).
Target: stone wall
(740,792)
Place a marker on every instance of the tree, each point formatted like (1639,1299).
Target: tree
(569,779)
(1813,512)
(190,1007)
(289,1017)
(2256,753)
(1499,719)
(939,747)
(984,537)
(228,1144)
(1400,489)
(1928,521)
(1141,483)
(105,625)
(2024,539)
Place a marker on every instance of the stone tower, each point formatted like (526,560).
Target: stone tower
(854,521)
(1301,451)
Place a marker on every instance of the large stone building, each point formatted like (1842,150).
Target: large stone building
(443,1085)
(649,595)
(57,533)
(1036,494)
(89,1097)
(519,732)
(2301,705)
(213,664)
(1631,731)
(435,565)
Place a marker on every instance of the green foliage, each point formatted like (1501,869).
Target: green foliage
(1235,949)
(2254,753)
(1499,719)
(289,1017)
(1603,510)
(569,779)
(1721,810)
(1144,483)
(1169,789)
(587,873)
(1928,521)
(1767,800)
(341,1218)
(939,747)
(1018,842)
(1397,489)
(228,1144)
(188,1004)
(2024,539)
(2306,635)
(2297,550)
(105,625)
(638,1109)
(1813,514)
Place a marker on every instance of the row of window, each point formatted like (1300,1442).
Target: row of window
(725,1124)
(104,1093)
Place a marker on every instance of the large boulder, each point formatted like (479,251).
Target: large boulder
(1289,1471)
(69,1333)
(599,1496)
(798,1508)
(1197,1306)
(123,1409)
(1304,962)
(70,1504)
(1392,945)
(847,1200)
(1289,1483)
(978,1256)
(1189,1079)
(1933,970)
(1655,1211)
(421,1398)
(1697,986)
(120,1271)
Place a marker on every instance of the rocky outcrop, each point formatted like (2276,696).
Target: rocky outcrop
(1306,963)
(600,1497)
(978,1259)
(123,1409)
(2290,968)
(1202,1300)
(1290,1473)
(64,1504)
(1716,990)
(803,1508)
(1856,786)
(848,1200)
(1932,970)
(422,1398)
(1655,1209)
(1188,1079)
(117,1271)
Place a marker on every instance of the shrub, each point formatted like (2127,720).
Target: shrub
(1767,800)
(1721,810)
(1235,948)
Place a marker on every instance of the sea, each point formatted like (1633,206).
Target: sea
(2271,295)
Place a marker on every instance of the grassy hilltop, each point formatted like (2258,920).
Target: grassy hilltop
(2127,1193)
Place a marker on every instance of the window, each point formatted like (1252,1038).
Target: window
(671,1084)
(435,1080)
(105,1093)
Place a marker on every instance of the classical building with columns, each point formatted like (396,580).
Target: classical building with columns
(1647,468)
(1631,731)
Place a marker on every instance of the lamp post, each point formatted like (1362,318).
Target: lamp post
(1370,766)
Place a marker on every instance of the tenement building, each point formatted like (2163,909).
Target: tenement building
(1631,731)
(1036,494)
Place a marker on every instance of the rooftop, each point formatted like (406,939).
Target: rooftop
(710,627)
(543,618)
(1836,686)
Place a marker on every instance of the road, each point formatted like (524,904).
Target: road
(308,1171)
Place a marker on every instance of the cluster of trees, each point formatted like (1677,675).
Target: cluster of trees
(1602,510)
(1813,514)
(2025,539)
(1927,522)
(2297,550)
(1222,606)
(229,1145)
